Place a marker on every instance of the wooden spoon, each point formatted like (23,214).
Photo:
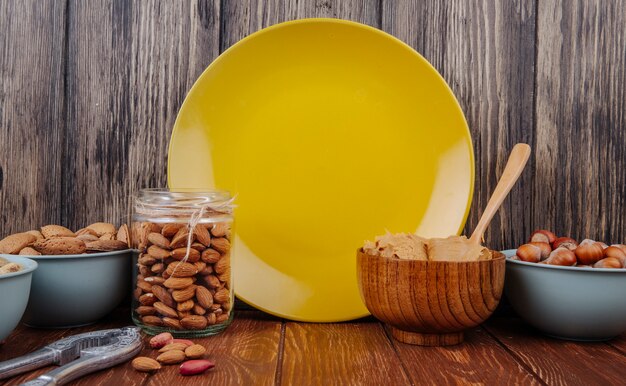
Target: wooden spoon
(514,167)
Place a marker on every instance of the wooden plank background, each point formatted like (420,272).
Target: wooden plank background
(89,93)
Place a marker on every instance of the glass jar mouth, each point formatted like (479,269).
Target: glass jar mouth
(183,201)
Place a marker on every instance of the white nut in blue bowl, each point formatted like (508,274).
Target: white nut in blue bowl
(568,302)
(14,292)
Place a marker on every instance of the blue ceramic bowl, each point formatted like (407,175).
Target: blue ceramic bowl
(76,290)
(585,304)
(14,291)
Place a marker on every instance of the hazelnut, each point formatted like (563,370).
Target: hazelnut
(589,253)
(542,236)
(529,252)
(565,242)
(616,253)
(545,248)
(609,262)
(561,256)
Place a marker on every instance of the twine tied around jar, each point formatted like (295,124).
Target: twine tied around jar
(194,220)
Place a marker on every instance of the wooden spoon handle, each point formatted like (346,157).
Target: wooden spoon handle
(514,167)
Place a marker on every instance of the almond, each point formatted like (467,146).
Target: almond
(225,276)
(184,314)
(212,281)
(35,233)
(28,251)
(211,256)
(9,268)
(181,269)
(169,230)
(220,244)
(101,228)
(211,319)
(87,238)
(145,259)
(145,271)
(202,235)
(187,342)
(140,233)
(145,364)
(222,296)
(106,245)
(12,244)
(221,318)
(158,252)
(172,323)
(220,229)
(171,357)
(137,293)
(195,366)
(184,294)
(173,346)
(161,340)
(122,234)
(85,231)
(187,305)
(194,322)
(159,240)
(147,299)
(178,282)
(151,320)
(222,265)
(198,310)
(181,238)
(145,310)
(180,253)
(198,247)
(200,265)
(206,271)
(163,295)
(204,297)
(145,286)
(109,236)
(157,268)
(60,246)
(165,310)
(154,280)
(50,231)
(195,351)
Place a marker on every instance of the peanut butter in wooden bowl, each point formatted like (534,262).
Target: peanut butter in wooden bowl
(429,290)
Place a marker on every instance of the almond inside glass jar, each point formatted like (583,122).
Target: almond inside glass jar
(182,277)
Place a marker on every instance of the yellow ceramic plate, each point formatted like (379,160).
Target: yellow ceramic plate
(330,133)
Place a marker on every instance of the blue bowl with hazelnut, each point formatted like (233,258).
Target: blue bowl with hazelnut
(566,289)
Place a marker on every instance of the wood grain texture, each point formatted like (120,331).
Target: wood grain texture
(619,343)
(559,362)
(173,42)
(131,65)
(580,184)
(485,51)
(32,36)
(478,361)
(95,151)
(241,18)
(246,353)
(339,354)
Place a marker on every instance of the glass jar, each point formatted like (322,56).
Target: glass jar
(182,280)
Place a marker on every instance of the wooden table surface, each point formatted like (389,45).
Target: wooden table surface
(258,349)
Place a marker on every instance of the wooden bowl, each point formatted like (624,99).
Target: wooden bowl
(430,303)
